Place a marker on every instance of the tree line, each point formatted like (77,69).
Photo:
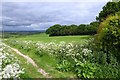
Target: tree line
(82,29)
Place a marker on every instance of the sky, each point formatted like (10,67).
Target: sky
(41,14)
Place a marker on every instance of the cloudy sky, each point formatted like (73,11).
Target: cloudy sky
(41,14)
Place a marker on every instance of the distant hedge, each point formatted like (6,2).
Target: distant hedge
(62,30)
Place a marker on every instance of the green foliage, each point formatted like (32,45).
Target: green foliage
(108,9)
(64,66)
(54,30)
(85,70)
(107,71)
(62,30)
(107,64)
(38,52)
(108,37)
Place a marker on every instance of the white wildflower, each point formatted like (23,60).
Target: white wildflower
(86,51)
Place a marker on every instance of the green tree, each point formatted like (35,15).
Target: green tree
(54,30)
(82,29)
(109,8)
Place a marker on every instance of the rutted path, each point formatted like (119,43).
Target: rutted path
(40,70)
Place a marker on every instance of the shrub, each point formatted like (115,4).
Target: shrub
(107,71)
(108,37)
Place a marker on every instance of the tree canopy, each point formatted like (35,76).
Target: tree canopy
(109,8)
(82,29)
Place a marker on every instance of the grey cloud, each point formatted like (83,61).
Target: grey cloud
(36,16)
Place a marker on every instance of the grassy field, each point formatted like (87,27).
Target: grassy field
(47,62)
(45,38)
(62,59)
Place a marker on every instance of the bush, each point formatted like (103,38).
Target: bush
(107,71)
(108,37)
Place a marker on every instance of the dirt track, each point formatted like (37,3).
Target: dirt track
(40,70)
